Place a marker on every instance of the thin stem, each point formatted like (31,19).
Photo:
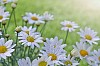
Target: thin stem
(10,18)
(37,27)
(43,28)
(15,18)
(66,36)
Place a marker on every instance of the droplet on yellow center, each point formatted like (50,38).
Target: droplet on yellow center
(34,18)
(88,37)
(3,49)
(54,57)
(27,32)
(30,39)
(4,0)
(69,26)
(1,17)
(68,62)
(83,53)
(42,63)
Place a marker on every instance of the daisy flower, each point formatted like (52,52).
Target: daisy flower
(47,17)
(31,39)
(68,25)
(54,43)
(27,30)
(70,61)
(24,62)
(95,58)
(5,1)
(6,48)
(54,49)
(3,15)
(43,61)
(89,36)
(84,50)
(33,18)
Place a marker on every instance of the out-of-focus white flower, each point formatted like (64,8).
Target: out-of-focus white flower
(6,48)
(27,30)
(31,39)
(84,50)
(3,15)
(70,61)
(47,17)
(5,1)
(54,49)
(89,36)
(33,18)
(94,60)
(68,25)
(24,62)
(43,61)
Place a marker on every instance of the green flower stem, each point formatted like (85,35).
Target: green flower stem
(10,19)
(43,28)
(37,27)
(15,18)
(66,36)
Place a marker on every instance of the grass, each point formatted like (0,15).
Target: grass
(80,11)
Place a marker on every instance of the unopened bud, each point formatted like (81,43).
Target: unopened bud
(74,52)
(18,29)
(13,5)
(7,35)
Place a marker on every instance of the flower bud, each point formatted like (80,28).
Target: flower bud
(7,35)
(18,29)
(13,5)
(74,52)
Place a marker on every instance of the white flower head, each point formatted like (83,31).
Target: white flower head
(70,61)
(95,58)
(5,1)
(54,48)
(6,48)
(43,61)
(24,62)
(33,18)
(84,50)
(3,15)
(31,39)
(89,36)
(68,25)
(47,17)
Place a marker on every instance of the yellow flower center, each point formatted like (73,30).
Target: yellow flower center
(34,18)
(69,25)
(3,49)
(4,0)
(54,57)
(1,17)
(88,37)
(83,53)
(27,32)
(30,39)
(68,62)
(42,63)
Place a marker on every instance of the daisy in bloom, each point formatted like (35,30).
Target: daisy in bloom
(56,52)
(89,36)
(6,48)
(33,18)
(43,61)
(27,30)
(24,62)
(47,17)
(68,25)
(5,1)
(3,15)
(95,59)
(54,43)
(70,61)
(31,39)
(83,49)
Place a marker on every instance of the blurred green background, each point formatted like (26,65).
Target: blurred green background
(86,13)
